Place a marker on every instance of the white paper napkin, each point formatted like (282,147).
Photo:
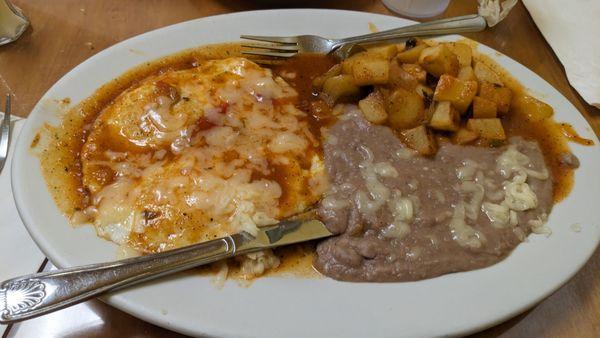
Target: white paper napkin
(571,28)
(18,253)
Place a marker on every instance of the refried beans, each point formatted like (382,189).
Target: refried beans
(401,217)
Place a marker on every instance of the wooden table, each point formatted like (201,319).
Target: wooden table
(65,33)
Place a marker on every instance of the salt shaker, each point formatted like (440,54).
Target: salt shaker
(417,8)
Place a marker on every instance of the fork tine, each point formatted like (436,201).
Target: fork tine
(270,54)
(7,105)
(274,39)
(5,133)
(282,48)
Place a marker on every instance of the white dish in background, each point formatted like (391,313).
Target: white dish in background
(453,304)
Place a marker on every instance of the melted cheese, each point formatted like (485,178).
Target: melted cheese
(193,154)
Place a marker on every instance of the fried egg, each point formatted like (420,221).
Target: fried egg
(189,155)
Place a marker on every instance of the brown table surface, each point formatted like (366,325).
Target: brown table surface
(65,33)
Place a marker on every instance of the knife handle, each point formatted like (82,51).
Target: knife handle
(37,294)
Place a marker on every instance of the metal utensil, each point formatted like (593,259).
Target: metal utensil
(5,133)
(37,294)
(288,46)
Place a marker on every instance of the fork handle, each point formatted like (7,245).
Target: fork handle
(459,24)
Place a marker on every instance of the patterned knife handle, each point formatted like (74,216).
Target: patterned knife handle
(37,294)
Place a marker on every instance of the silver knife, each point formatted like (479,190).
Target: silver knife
(33,295)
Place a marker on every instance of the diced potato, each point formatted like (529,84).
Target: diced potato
(420,139)
(386,51)
(466,74)
(339,86)
(349,63)
(400,77)
(534,109)
(405,109)
(459,93)
(489,129)
(484,108)
(463,53)
(411,55)
(416,71)
(320,80)
(445,117)
(373,108)
(424,92)
(502,96)
(464,136)
(439,60)
(485,73)
(371,71)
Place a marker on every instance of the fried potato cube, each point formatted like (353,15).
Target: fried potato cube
(485,73)
(484,108)
(420,139)
(489,129)
(502,96)
(459,93)
(416,71)
(339,86)
(463,52)
(534,109)
(320,80)
(371,71)
(405,109)
(373,108)
(466,74)
(386,51)
(368,55)
(445,117)
(411,55)
(424,91)
(439,60)
(464,136)
(348,64)
(399,77)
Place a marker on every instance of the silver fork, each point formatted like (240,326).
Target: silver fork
(288,46)
(5,133)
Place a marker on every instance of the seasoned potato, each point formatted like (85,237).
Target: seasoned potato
(445,117)
(320,80)
(339,86)
(420,139)
(463,53)
(373,108)
(405,109)
(416,71)
(466,74)
(489,129)
(502,96)
(387,51)
(371,71)
(484,108)
(411,55)
(485,73)
(399,77)
(439,60)
(464,136)
(534,109)
(424,91)
(348,64)
(459,93)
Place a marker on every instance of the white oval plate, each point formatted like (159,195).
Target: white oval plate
(453,304)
